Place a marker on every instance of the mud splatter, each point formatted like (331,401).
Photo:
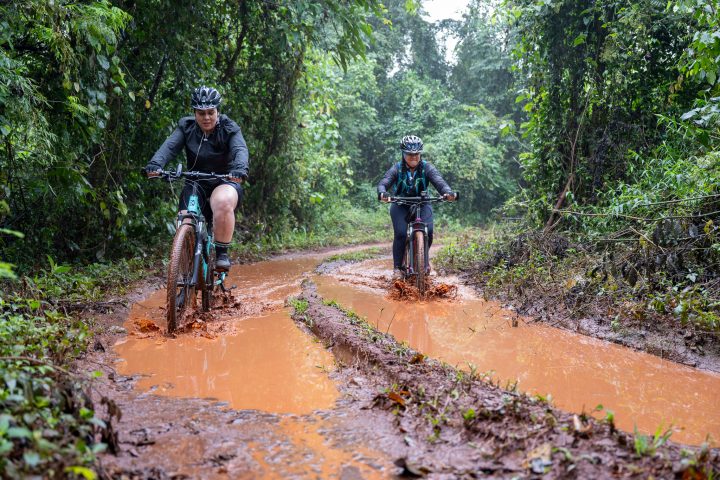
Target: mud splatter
(145,325)
(403,290)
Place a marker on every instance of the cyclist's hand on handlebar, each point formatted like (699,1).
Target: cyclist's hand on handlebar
(450,197)
(237,177)
(152,172)
(384,197)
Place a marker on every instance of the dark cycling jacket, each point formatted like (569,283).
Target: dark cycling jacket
(223,151)
(426,170)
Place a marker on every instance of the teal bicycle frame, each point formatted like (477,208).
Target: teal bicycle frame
(204,244)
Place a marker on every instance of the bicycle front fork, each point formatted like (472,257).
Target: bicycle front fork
(410,247)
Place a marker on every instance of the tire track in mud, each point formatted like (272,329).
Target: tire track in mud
(459,425)
(579,372)
(372,425)
(293,433)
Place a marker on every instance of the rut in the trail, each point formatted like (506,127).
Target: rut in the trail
(254,346)
(460,425)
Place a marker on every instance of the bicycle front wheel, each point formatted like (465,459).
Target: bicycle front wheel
(419,261)
(180,292)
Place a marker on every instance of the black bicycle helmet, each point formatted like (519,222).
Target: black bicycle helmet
(205,98)
(411,144)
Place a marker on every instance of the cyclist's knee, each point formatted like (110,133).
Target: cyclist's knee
(224,198)
(223,204)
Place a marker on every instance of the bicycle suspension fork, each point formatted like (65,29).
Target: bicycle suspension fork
(199,259)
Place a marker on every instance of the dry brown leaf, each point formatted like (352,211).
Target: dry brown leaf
(417,358)
(395,397)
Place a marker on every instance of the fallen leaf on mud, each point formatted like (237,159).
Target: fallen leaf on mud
(417,358)
(579,426)
(395,397)
(145,325)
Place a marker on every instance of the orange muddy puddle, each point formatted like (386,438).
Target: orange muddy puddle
(579,372)
(309,454)
(269,364)
(266,364)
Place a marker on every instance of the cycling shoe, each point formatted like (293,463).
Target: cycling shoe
(222,262)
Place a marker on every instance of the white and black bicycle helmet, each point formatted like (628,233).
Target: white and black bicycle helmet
(205,98)
(411,144)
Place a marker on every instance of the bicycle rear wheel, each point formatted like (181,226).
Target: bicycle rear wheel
(180,294)
(419,261)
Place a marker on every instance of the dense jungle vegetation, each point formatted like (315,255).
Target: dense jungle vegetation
(594,119)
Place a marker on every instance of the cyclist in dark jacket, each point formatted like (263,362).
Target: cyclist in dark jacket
(408,178)
(213,144)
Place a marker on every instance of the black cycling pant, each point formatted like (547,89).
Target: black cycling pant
(205,189)
(399,214)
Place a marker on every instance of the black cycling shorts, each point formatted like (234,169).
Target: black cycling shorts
(204,190)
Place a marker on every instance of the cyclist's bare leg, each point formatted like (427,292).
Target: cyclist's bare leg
(223,202)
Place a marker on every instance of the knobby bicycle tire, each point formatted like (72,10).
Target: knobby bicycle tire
(419,260)
(180,295)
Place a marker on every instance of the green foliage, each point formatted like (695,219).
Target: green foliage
(300,305)
(483,72)
(700,62)
(357,256)
(596,77)
(88,283)
(647,445)
(88,93)
(48,424)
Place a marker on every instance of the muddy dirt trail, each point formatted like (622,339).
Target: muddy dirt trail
(246,392)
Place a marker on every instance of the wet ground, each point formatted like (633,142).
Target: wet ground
(577,372)
(245,393)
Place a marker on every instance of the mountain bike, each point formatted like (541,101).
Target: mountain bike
(416,244)
(192,258)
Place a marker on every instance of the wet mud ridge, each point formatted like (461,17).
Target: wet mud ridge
(458,424)
(244,393)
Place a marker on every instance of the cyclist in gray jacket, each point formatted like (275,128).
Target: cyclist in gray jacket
(213,144)
(408,178)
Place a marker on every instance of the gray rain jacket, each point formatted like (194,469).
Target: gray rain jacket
(431,175)
(223,151)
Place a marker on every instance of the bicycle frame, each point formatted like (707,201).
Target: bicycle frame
(204,238)
(204,244)
(416,226)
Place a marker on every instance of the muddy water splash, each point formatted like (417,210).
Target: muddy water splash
(267,364)
(579,372)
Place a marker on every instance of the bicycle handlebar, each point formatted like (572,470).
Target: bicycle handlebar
(193,175)
(419,199)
